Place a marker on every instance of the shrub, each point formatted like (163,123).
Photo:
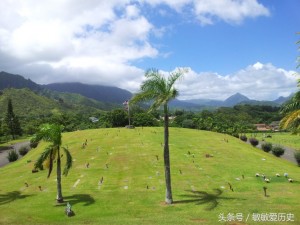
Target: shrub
(278,151)
(244,138)
(253,141)
(33,144)
(267,146)
(12,156)
(23,150)
(297,157)
(235,135)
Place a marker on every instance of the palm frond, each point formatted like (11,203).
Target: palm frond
(69,161)
(292,120)
(177,75)
(292,104)
(157,88)
(43,157)
(49,133)
(50,163)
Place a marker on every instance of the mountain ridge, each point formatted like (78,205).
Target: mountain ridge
(114,95)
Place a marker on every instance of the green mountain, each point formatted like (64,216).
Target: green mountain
(97,92)
(8,80)
(27,103)
(67,100)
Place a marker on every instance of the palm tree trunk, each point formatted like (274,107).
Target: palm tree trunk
(59,198)
(169,199)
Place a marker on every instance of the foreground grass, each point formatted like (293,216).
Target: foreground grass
(133,181)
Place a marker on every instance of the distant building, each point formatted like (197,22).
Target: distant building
(262,127)
(93,119)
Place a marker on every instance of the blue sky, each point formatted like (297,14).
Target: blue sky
(229,46)
(226,48)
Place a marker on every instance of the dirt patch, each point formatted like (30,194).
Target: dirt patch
(199,221)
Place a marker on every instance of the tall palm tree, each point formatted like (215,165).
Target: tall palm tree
(160,90)
(52,133)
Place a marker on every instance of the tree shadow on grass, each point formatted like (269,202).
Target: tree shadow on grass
(203,197)
(79,198)
(11,196)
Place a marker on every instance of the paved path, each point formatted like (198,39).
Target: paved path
(288,154)
(4,152)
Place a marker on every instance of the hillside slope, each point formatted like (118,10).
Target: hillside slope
(133,187)
(97,92)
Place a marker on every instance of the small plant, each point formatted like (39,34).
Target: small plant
(278,151)
(253,141)
(297,157)
(267,146)
(33,143)
(23,150)
(12,156)
(236,135)
(244,138)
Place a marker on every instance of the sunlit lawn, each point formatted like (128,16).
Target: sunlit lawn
(133,186)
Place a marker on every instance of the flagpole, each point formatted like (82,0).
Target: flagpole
(126,104)
(128,114)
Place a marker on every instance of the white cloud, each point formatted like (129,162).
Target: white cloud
(98,41)
(231,11)
(258,81)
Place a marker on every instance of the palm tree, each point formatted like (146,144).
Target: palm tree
(160,90)
(291,109)
(52,133)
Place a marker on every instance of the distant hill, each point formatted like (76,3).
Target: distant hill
(27,103)
(97,92)
(108,94)
(235,99)
(282,100)
(8,80)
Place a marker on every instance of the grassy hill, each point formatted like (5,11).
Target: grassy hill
(27,103)
(133,188)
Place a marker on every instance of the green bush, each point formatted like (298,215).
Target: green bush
(267,146)
(254,142)
(244,138)
(23,150)
(12,156)
(235,135)
(33,143)
(297,157)
(278,151)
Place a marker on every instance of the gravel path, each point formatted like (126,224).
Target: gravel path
(288,154)
(4,152)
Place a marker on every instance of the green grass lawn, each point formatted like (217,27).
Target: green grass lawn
(133,189)
(281,138)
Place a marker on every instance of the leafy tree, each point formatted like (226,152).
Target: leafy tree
(12,121)
(160,90)
(52,133)
(119,118)
(143,119)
